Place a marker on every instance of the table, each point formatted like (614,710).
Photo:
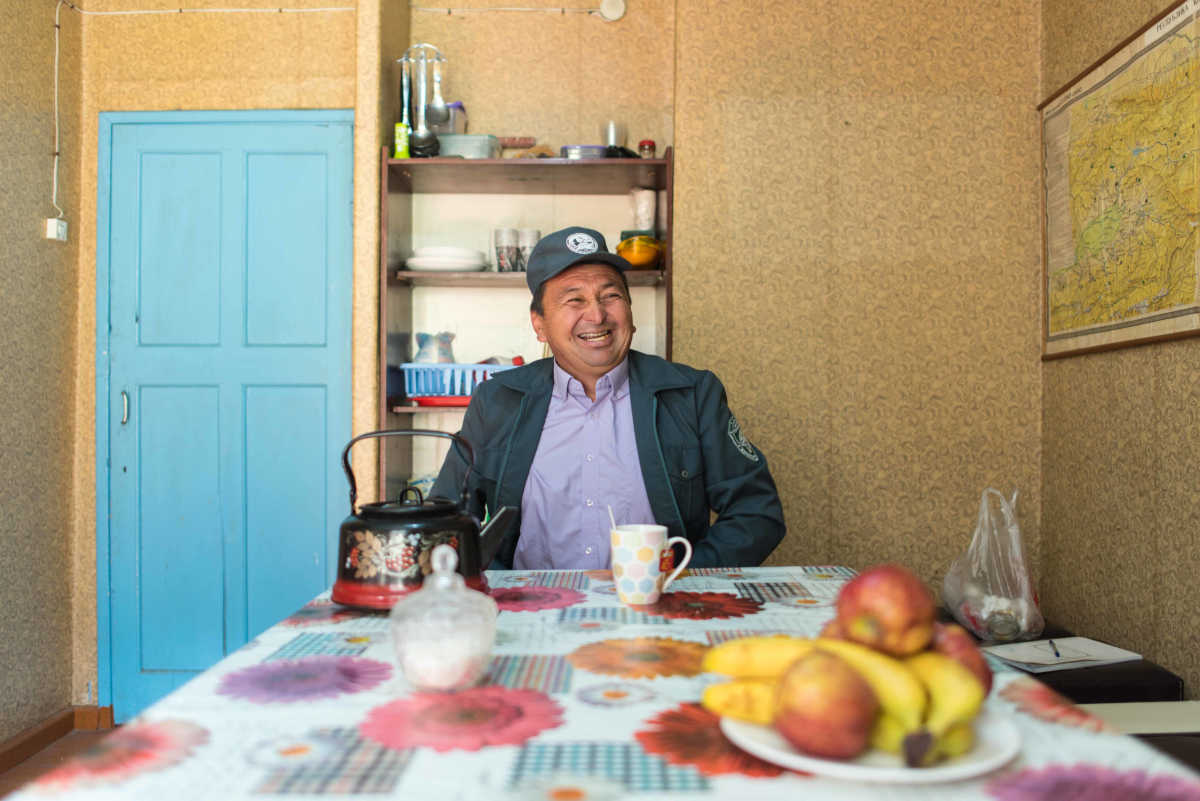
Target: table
(585,699)
(1125,682)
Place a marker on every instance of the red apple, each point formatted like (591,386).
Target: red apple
(832,630)
(888,608)
(823,707)
(957,643)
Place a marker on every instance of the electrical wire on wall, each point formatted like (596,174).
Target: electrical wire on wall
(145,12)
(163,11)
(54,169)
(609,10)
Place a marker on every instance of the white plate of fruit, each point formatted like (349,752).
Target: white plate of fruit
(996,742)
(885,694)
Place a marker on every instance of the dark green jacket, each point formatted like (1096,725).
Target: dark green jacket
(693,456)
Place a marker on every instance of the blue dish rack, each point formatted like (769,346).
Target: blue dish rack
(446,380)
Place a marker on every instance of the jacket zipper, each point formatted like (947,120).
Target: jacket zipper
(663,463)
(508,450)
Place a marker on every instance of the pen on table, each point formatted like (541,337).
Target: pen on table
(1054,648)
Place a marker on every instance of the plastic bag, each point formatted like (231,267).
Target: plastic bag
(988,589)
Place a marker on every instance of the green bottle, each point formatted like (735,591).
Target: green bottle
(401,148)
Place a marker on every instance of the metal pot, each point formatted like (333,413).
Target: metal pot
(385,549)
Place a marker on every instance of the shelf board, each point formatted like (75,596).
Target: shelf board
(527,176)
(497,280)
(404,409)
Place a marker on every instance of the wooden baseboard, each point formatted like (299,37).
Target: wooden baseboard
(91,718)
(20,747)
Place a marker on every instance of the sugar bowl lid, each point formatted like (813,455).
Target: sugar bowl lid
(443,633)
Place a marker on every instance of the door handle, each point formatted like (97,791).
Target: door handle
(124,407)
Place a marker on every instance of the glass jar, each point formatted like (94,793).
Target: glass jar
(443,633)
(646,148)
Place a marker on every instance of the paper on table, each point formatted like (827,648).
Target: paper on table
(1038,656)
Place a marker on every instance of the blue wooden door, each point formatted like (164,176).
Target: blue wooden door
(227,252)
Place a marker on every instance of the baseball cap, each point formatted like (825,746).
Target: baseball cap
(562,249)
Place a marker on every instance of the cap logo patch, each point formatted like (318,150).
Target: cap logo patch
(739,440)
(582,244)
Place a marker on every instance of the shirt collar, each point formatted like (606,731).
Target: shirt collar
(618,377)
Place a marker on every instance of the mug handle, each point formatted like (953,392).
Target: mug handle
(687,557)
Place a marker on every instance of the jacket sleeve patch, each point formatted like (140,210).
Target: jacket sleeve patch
(739,440)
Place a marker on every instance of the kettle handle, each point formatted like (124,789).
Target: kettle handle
(407,432)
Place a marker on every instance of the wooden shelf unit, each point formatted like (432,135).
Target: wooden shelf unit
(400,179)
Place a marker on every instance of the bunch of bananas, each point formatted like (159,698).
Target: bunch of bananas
(927,700)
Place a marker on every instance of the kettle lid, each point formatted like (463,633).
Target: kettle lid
(411,503)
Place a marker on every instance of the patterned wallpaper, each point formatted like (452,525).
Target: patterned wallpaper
(37,284)
(557,77)
(857,258)
(1120,455)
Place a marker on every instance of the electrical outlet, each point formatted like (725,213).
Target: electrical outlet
(56,228)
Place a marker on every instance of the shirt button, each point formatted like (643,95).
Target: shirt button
(587,549)
(589,502)
(589,457)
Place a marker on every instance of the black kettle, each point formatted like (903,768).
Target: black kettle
(385,549)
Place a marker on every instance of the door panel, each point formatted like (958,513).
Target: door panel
(228,333)
(283,235)
(179,527)
(180,193)
(286,558)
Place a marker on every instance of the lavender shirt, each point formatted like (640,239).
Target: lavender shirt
(586,460)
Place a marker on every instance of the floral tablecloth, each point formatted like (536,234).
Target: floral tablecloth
(585,699)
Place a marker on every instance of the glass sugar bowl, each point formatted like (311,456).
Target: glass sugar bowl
(443,633)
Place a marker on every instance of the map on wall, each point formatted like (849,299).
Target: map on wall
(1121,149)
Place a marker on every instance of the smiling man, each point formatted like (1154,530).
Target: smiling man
(600,425)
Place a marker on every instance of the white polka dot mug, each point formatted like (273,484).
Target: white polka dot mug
(637,561)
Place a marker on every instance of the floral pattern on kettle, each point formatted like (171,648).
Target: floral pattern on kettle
(401,556)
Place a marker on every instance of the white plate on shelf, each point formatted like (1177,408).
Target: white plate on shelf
(996,742)
(443,264)
(449,252)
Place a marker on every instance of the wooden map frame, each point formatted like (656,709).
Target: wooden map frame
(1156,327)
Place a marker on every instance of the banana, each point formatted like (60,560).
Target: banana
(955,697)
(755,657)
(752,700)
(899,691)
(955,694)
(921,749)
(958,740)
(887,734)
